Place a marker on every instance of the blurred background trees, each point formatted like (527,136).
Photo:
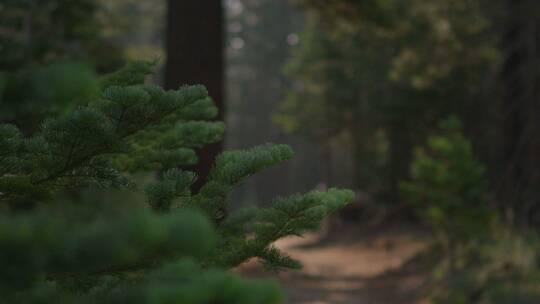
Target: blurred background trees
(50,53)
(260,36)
(405,65)
(371,81)
(37,32)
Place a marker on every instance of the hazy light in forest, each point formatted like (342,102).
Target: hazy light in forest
(235,27)
(237,43)
(235,7)
(293,39)
(252,19)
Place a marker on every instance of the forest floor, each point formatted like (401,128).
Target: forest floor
(355,266)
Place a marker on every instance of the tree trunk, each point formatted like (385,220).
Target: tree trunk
(195,47)
(520,152)
(400,158)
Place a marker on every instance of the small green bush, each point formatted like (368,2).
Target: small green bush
(449,190)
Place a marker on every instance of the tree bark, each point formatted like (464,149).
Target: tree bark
(195,47)
(519,188)
(400,159)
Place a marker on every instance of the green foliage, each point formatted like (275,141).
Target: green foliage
(57,247)
(197,286)
(448,188)
(41,32)
(250,234)
(50,53)
(31,94)
(503,271)
(55,242)
(448,185)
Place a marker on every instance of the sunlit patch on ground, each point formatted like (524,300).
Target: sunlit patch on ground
(373,268)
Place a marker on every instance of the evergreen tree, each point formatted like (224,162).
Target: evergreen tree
(449,190)
(55,248)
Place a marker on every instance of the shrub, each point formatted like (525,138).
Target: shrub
(449,190)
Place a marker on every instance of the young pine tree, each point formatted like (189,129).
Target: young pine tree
(58,248)
(449,189)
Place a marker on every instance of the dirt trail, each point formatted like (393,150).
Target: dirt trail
(371,268)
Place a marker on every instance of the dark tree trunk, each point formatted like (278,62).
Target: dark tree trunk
(520,153)
(195,47)
(400,159)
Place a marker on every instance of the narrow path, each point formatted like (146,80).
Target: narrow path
(367,268)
